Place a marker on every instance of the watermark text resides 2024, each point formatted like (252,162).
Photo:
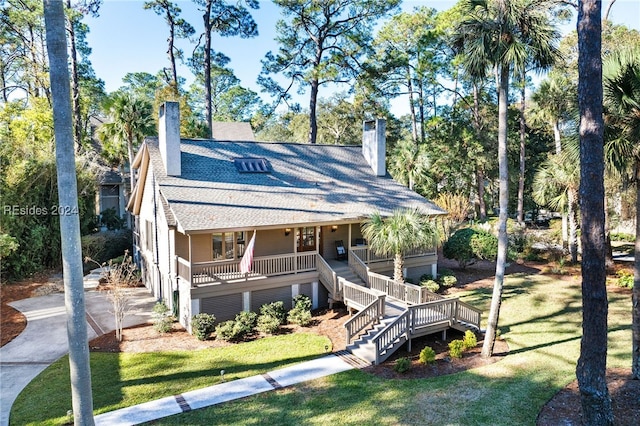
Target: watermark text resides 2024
(55,210)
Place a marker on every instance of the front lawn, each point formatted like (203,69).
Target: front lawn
(540,319)
(124,379)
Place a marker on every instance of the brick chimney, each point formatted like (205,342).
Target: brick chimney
(169,137)
(374,145)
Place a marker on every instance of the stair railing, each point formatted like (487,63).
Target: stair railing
(359,267)
(328,276)
(365,319)
(385,340)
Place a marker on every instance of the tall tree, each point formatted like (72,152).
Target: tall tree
(592,364)
(622,101)
(178,28)
(396,235)
(130,120)
(505,36)
(69,223)
(227,20)
(321,43)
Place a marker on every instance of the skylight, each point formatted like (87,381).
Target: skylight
(252,165)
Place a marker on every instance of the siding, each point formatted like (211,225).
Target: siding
(222,307)
(307,290)
(260,297)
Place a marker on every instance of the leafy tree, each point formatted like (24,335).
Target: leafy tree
(622,100)
(403,231)
(591,368)
(69,223)
(227,20)
(409,163)
(320,43)
(130,121)
(178,28)
(500,35)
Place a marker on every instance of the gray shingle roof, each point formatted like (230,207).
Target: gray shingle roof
(307,184)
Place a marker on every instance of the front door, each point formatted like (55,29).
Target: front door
(306,238)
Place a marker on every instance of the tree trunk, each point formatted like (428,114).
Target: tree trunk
(207,69)
(170,51)
(481,204)
(75,91)
(635,354)
(503,172)
(556,136)
(592,364)
(522,152)
(398,263)
(80,373)
(412,109)
(313,122)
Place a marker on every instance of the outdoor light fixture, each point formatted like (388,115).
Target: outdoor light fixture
(287,231)
(333,228)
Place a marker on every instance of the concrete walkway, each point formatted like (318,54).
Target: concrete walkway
(223,392)
(44,340)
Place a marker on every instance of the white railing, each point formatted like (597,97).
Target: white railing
(468,314)
(387,338)
(328,276)
(364,319)
(357,296)
(367,256)
(431,313)
(227,270)
(406,292)
(359,267)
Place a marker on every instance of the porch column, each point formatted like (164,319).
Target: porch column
(434,270)
(246,301)
(314,295)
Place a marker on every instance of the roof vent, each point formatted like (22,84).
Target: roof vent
(252,165)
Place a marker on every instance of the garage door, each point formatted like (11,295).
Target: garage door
(261,297)
(222,307)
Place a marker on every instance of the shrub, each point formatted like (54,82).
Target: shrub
(103,246)
(238,328)
(619,236)
(449,281)
(431,285)
(301,312)
(484,245)
(162,318)
(272,316)
(202,325)
(427,355)
(402,365)
(468,244)
(625,279)
(470,340)
(456,347)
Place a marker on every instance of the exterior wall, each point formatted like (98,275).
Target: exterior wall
(201,247)
(329,240)
(272,242)
(182,245)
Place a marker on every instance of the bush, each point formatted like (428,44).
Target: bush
(470,340)
(402,365)
(162,318)
(449,281)
(427,355)
(456,347)
(272,316)
(625,279)
(202,325)
(237,329)
(431,285)
(301,312)
(484,245)
(619,236)
(468,244)
(103,246)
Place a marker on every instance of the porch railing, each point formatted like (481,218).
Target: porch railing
(328,276)
(357,296)
(228,270)
(367,256)
(365,318)
(359,267)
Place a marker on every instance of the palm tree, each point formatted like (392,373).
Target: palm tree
(621,87)
(403,231)
(80,370)
(505,36)
(131,119)
(409,163)
(556,185)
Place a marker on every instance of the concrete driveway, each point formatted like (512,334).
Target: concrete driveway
(44,340)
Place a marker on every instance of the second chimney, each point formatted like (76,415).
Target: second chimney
(169,137)
(374,145)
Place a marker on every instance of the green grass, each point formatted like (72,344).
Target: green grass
(541,320)
(124,379)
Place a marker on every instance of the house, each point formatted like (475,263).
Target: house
(197,204)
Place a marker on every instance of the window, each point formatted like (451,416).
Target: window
(306,238)
(148,235)
(252,165)
(228,245)
(110,198)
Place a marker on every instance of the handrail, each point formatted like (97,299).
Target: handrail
(468,314)
(357,295)
(409,293)
(363,319)
(359,267)
(387,336)
(328,274)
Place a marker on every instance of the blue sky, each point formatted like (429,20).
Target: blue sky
(126,38)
